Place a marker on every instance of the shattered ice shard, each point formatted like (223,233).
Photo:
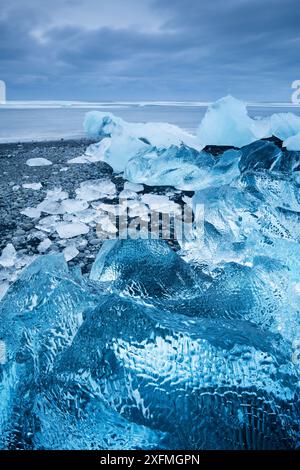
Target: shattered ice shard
(70,252)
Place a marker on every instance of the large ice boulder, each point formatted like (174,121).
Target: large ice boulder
(227,122)
(199,383)
(126,140)
(158,134)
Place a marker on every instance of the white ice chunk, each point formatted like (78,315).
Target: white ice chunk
(79,160)
(293,142)
(129,139)
(94,153)
(57,194)
(32,212)
(137,188)
(70,230)
(51,207)
(8,256)
(44,245)
(38,162)
(3,289)
(86,216)
(74,205)
(48,224)
(115,209)
(227,122)
(107,225)
(128,194)
(92,190)
(70,252)
(33,186)
(160,203)
(138,209)
(284,125)
(159,134)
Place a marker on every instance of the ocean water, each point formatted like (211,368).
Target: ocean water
(28,121)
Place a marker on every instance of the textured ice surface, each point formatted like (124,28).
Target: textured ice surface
(162,154)
(182,167)
(154,353)
(284,125)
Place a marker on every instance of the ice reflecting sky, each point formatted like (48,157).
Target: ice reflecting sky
(149,49)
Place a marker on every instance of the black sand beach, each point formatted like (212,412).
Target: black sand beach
(19,229)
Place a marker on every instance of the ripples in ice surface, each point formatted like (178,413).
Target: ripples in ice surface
(150,353)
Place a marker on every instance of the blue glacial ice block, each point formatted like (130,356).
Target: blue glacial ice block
(200,383)
(145,269)
(260,155)
(182,167)
(90,427)
(40,315)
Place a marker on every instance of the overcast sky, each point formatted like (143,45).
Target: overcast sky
(149,49)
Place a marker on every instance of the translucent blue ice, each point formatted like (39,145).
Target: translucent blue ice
(182,167)
(152,352)
(186,345)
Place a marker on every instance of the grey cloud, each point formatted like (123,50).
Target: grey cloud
(202,50)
